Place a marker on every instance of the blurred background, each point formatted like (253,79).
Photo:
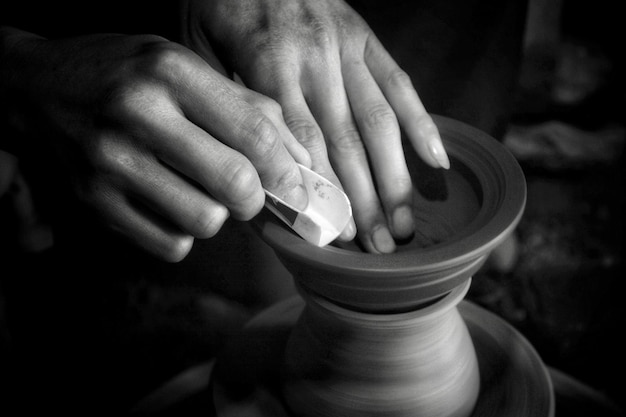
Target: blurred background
(563,285)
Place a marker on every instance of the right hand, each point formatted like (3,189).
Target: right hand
(164,147)
(343,96)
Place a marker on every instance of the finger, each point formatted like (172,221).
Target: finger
(295,148)
(283,85)
(210,101)
(401,95)
(144,228)
(349,157)
(225,174)
(273,110)
(380,132)
(170,195)
(305,128)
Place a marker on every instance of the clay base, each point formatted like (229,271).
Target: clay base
(514,380)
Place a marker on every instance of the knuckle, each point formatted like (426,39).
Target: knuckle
(131,91)
(160,59)
(307,133)
(271,106)
(112,160)
(129,104)
(274,46)
(398,78)
(426,123)
(348,142)
(122,101)
(400,193)
(285,181)
(379,118)
(321,33)
(239,178)
(245,198)
(266,104)
(263,137)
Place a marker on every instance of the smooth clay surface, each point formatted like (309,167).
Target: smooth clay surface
(514,380)
(344,363)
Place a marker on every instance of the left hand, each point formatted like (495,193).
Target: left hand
(343,97)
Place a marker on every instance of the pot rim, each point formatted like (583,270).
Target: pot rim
(503,190)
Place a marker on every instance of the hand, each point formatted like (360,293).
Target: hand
(342,95)
(161,145)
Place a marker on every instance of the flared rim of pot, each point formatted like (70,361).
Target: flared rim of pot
(495,179)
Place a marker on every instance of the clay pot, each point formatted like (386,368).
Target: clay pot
(381,334)
(461,214)
(340,362)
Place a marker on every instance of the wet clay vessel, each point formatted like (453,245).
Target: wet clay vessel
(382,335)
(461,214)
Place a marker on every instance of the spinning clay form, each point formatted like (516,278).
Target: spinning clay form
(382,335)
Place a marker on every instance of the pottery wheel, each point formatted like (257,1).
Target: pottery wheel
(514,380)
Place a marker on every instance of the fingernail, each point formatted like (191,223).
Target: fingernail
(438,153)
(298,197)
(382,240)
(402,222)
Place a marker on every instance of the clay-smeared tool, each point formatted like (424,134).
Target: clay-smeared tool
(324,218)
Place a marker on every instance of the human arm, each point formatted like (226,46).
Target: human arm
(159,144)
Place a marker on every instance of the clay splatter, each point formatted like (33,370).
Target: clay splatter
(319,188)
